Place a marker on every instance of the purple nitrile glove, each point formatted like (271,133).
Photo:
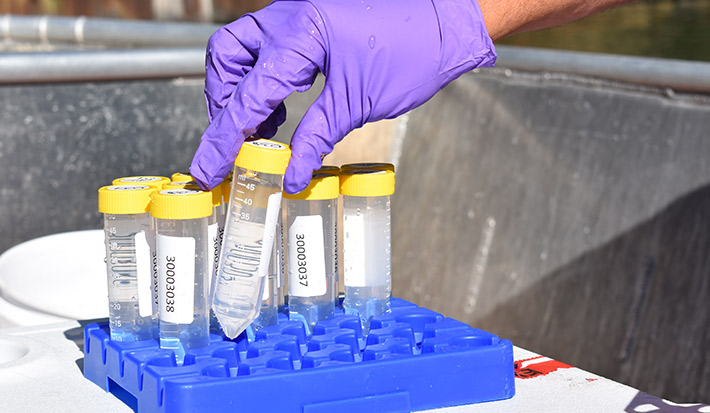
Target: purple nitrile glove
(380,58)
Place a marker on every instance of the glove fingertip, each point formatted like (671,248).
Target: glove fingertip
(297,177)
(204,181)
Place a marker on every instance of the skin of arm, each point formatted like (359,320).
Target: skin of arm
(507,17)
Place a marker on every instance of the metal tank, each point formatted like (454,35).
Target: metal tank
(561,200)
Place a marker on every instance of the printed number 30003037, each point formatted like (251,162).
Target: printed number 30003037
(301,260)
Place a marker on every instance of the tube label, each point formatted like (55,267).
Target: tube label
(354,251)
(306,257)
(176,263)
(143,274)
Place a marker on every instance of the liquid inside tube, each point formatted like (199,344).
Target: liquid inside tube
(184,278)
(312,259)
(367,257)
(127,260)
(246,249)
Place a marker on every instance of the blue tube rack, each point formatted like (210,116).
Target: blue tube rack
(412,359)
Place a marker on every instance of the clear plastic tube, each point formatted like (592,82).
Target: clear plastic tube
(310,231)
(255,201)
(128,264)
(246,249)
(367,257)
(130,248)
(184,267)
(184,270)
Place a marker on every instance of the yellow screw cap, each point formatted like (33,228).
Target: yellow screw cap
(328,169)
(368,165)
(322,186)
(264,155)
(125,199)
(216,192)
(181,177)
(154,181)
(181,203)
(367,182)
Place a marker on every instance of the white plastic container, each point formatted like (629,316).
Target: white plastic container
(183,267)
(75,289)
(310,231)
(367,251)
(249,233)
(130,248)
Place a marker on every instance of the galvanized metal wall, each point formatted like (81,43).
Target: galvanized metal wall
(60,142)
(569,215)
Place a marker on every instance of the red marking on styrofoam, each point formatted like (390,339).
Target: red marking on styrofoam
(537,366)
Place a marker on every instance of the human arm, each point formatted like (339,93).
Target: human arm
(507,17)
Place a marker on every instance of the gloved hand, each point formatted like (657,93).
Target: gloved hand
(380,59)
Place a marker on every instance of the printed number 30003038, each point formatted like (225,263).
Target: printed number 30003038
(170,284)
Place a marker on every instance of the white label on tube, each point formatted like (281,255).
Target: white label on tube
(272,214)
(306,257)
(176,264)
(354,250)
(143,275)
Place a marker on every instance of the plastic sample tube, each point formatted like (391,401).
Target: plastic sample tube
(150,180)
(129,237)
(311,217)
(249,233)
(183,266)
(335,170)
(367,256)
(181,177)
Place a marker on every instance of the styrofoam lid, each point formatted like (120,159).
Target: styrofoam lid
(62,274)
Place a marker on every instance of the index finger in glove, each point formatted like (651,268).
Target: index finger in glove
(232,52)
